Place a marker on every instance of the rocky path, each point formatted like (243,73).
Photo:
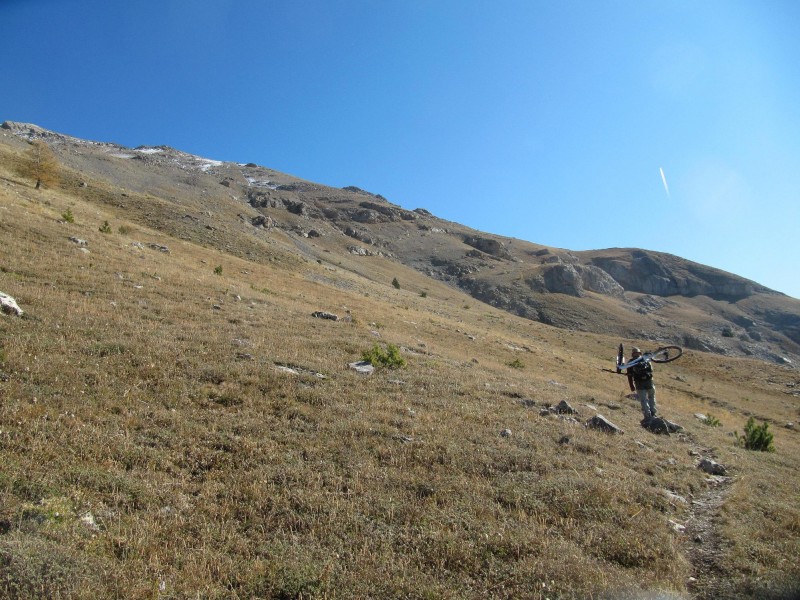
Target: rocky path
(704,543)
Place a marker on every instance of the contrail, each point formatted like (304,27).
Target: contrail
(664,179)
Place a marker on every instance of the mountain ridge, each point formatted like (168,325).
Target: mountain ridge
(624,291)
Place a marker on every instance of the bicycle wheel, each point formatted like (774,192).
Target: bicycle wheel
(666,354)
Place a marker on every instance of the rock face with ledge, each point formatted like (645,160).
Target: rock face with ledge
(666,275)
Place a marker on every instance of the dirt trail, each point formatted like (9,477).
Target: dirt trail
(704,544)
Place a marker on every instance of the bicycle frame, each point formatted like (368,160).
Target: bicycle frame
(643,358)
(664,354)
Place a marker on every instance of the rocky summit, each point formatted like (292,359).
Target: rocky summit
(633,293)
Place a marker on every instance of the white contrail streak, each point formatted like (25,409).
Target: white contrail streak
(664,179)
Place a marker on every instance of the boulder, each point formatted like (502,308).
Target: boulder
(9,306)
(296,207)
(674,498)
(263,221)
(366,216)
(711,467)
(603,424)
(487,245)
(325,315)
(564,408)
(660,425)
(364,367)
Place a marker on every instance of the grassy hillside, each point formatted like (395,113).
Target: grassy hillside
(154,445)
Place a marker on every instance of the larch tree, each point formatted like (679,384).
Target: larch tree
(40,164)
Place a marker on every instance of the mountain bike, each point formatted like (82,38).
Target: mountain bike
(664,354)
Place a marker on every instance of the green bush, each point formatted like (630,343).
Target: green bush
(68,216)
(378,357)
(105,227)
(712,421)
(218,270)
(516,364)
(396,283)
(756,437)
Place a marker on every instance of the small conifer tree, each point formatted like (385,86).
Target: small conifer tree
(40,165)
(756,437)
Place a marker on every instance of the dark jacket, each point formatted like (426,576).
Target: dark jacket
(640,377)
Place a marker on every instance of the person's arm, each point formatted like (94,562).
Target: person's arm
(630,380)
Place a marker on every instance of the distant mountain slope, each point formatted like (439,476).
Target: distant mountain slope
(238,208)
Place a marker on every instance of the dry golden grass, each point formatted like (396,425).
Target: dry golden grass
(152,448)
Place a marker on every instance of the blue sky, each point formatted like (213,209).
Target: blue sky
(549,121)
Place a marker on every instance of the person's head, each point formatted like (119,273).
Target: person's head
(636,352)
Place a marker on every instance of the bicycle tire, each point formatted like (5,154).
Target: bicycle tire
(666,354)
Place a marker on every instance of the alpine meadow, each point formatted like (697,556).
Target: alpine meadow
(181,416)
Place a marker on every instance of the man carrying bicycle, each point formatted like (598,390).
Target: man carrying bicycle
(640,380)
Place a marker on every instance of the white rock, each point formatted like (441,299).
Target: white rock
(88,521)
(286,370)
(677,527)
(362,367)
(9,306)
(673,497)
(712,468)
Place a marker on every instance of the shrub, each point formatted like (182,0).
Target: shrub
(125,230)
(396,283)
(756,437)
(516,364)
(105,227)
(378,357)
(68,216)
(727,332)
(423,294)
(712,421)
(218,270)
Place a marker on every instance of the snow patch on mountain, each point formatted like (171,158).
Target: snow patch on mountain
(266,183)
